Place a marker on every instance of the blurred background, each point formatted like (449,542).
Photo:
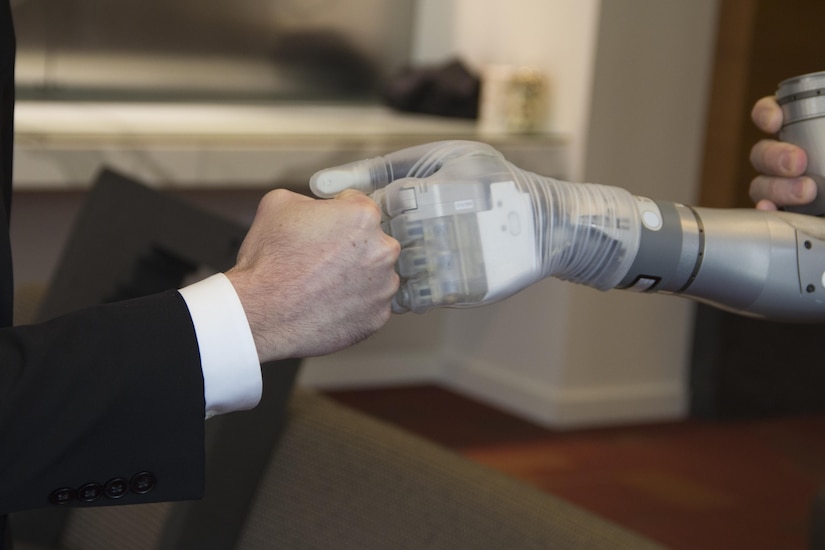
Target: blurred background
(280,50)
(218,102)
(221,103)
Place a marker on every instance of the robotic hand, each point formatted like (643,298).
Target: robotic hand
(475,229)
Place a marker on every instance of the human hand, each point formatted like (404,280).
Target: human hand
(315,276)
(782,165)
(475,229)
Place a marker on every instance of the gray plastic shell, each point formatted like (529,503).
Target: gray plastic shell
(668,256)
(760,264)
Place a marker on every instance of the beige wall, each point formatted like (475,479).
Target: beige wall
(646,131)
(556,36)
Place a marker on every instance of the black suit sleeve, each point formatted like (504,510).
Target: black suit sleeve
(6,157)
(104,406)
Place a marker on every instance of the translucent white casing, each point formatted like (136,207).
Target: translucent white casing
(475,229)
(463,244)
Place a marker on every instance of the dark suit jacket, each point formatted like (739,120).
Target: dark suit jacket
(104,406)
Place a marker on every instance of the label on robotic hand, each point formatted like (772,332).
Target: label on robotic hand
(508,241)
(463,244)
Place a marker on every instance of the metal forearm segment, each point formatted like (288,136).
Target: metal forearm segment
(755,263)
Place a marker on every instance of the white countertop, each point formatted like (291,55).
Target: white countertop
(62,145)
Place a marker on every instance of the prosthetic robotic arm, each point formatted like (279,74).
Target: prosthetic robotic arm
(475,229)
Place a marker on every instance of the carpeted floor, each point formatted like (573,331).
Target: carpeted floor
(690,485)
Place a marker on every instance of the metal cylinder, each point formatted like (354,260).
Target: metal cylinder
(802,99)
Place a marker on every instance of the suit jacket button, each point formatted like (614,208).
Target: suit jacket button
(90,492)
(64,495)
(116,488)
(143,482)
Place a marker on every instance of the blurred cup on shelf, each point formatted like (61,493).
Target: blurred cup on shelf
(513,100)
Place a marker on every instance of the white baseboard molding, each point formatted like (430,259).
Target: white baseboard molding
(566,408)
(542,403)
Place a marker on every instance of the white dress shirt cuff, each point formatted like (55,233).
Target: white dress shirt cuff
(229,359)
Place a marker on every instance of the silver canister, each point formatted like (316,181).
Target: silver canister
(802,99)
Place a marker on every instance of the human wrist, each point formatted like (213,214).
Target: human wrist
(249,291)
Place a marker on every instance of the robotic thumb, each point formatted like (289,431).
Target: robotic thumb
(362,175)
